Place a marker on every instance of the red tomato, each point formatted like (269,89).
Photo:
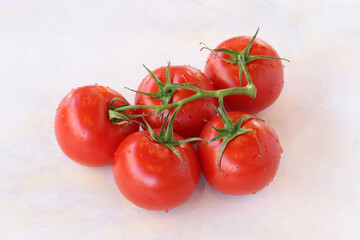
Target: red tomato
(190,120)
(151,176)
(243,170)
(266,74)
(83,129)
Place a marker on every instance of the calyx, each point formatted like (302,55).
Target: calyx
(240,58)
(230,130)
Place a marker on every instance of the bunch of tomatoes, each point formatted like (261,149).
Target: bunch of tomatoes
(183,122)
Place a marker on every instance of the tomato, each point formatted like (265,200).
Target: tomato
(266,74)
(151,176)
(83,129)
(190,120)
(243,171)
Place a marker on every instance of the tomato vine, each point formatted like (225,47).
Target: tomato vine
(167,89)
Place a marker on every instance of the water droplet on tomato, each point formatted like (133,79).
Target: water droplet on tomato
(189,74)
(273,65)
(62,116)
(85,102)
(102,89)
(252,67)
(58,109)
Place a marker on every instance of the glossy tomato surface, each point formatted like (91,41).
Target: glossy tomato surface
(83,129)
(151,176)
(243,170)
(266,74)
(190,120)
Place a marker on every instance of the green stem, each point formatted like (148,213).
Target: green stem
(229,125)
(169,130)
(242,63)
(249,90)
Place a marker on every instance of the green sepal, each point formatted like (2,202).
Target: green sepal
(212,126)
(179,142)
(168,80)
(230,52)
(118,117)
(159,83)
(240,121)
(153,135)
(188,86)
(226,140)
(154,95)
(177,153)
(246,50)
(230,131)
(222,135)
(226,137)
(166,90)
(166,135)
(254,57)
(257,140)
(240,58)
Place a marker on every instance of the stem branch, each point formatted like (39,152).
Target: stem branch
(249,90)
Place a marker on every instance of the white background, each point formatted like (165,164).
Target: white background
(49,47)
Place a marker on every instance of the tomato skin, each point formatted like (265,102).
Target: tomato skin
(83,129)
(266,74)
(243,171)
(190,120)
(151,176)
